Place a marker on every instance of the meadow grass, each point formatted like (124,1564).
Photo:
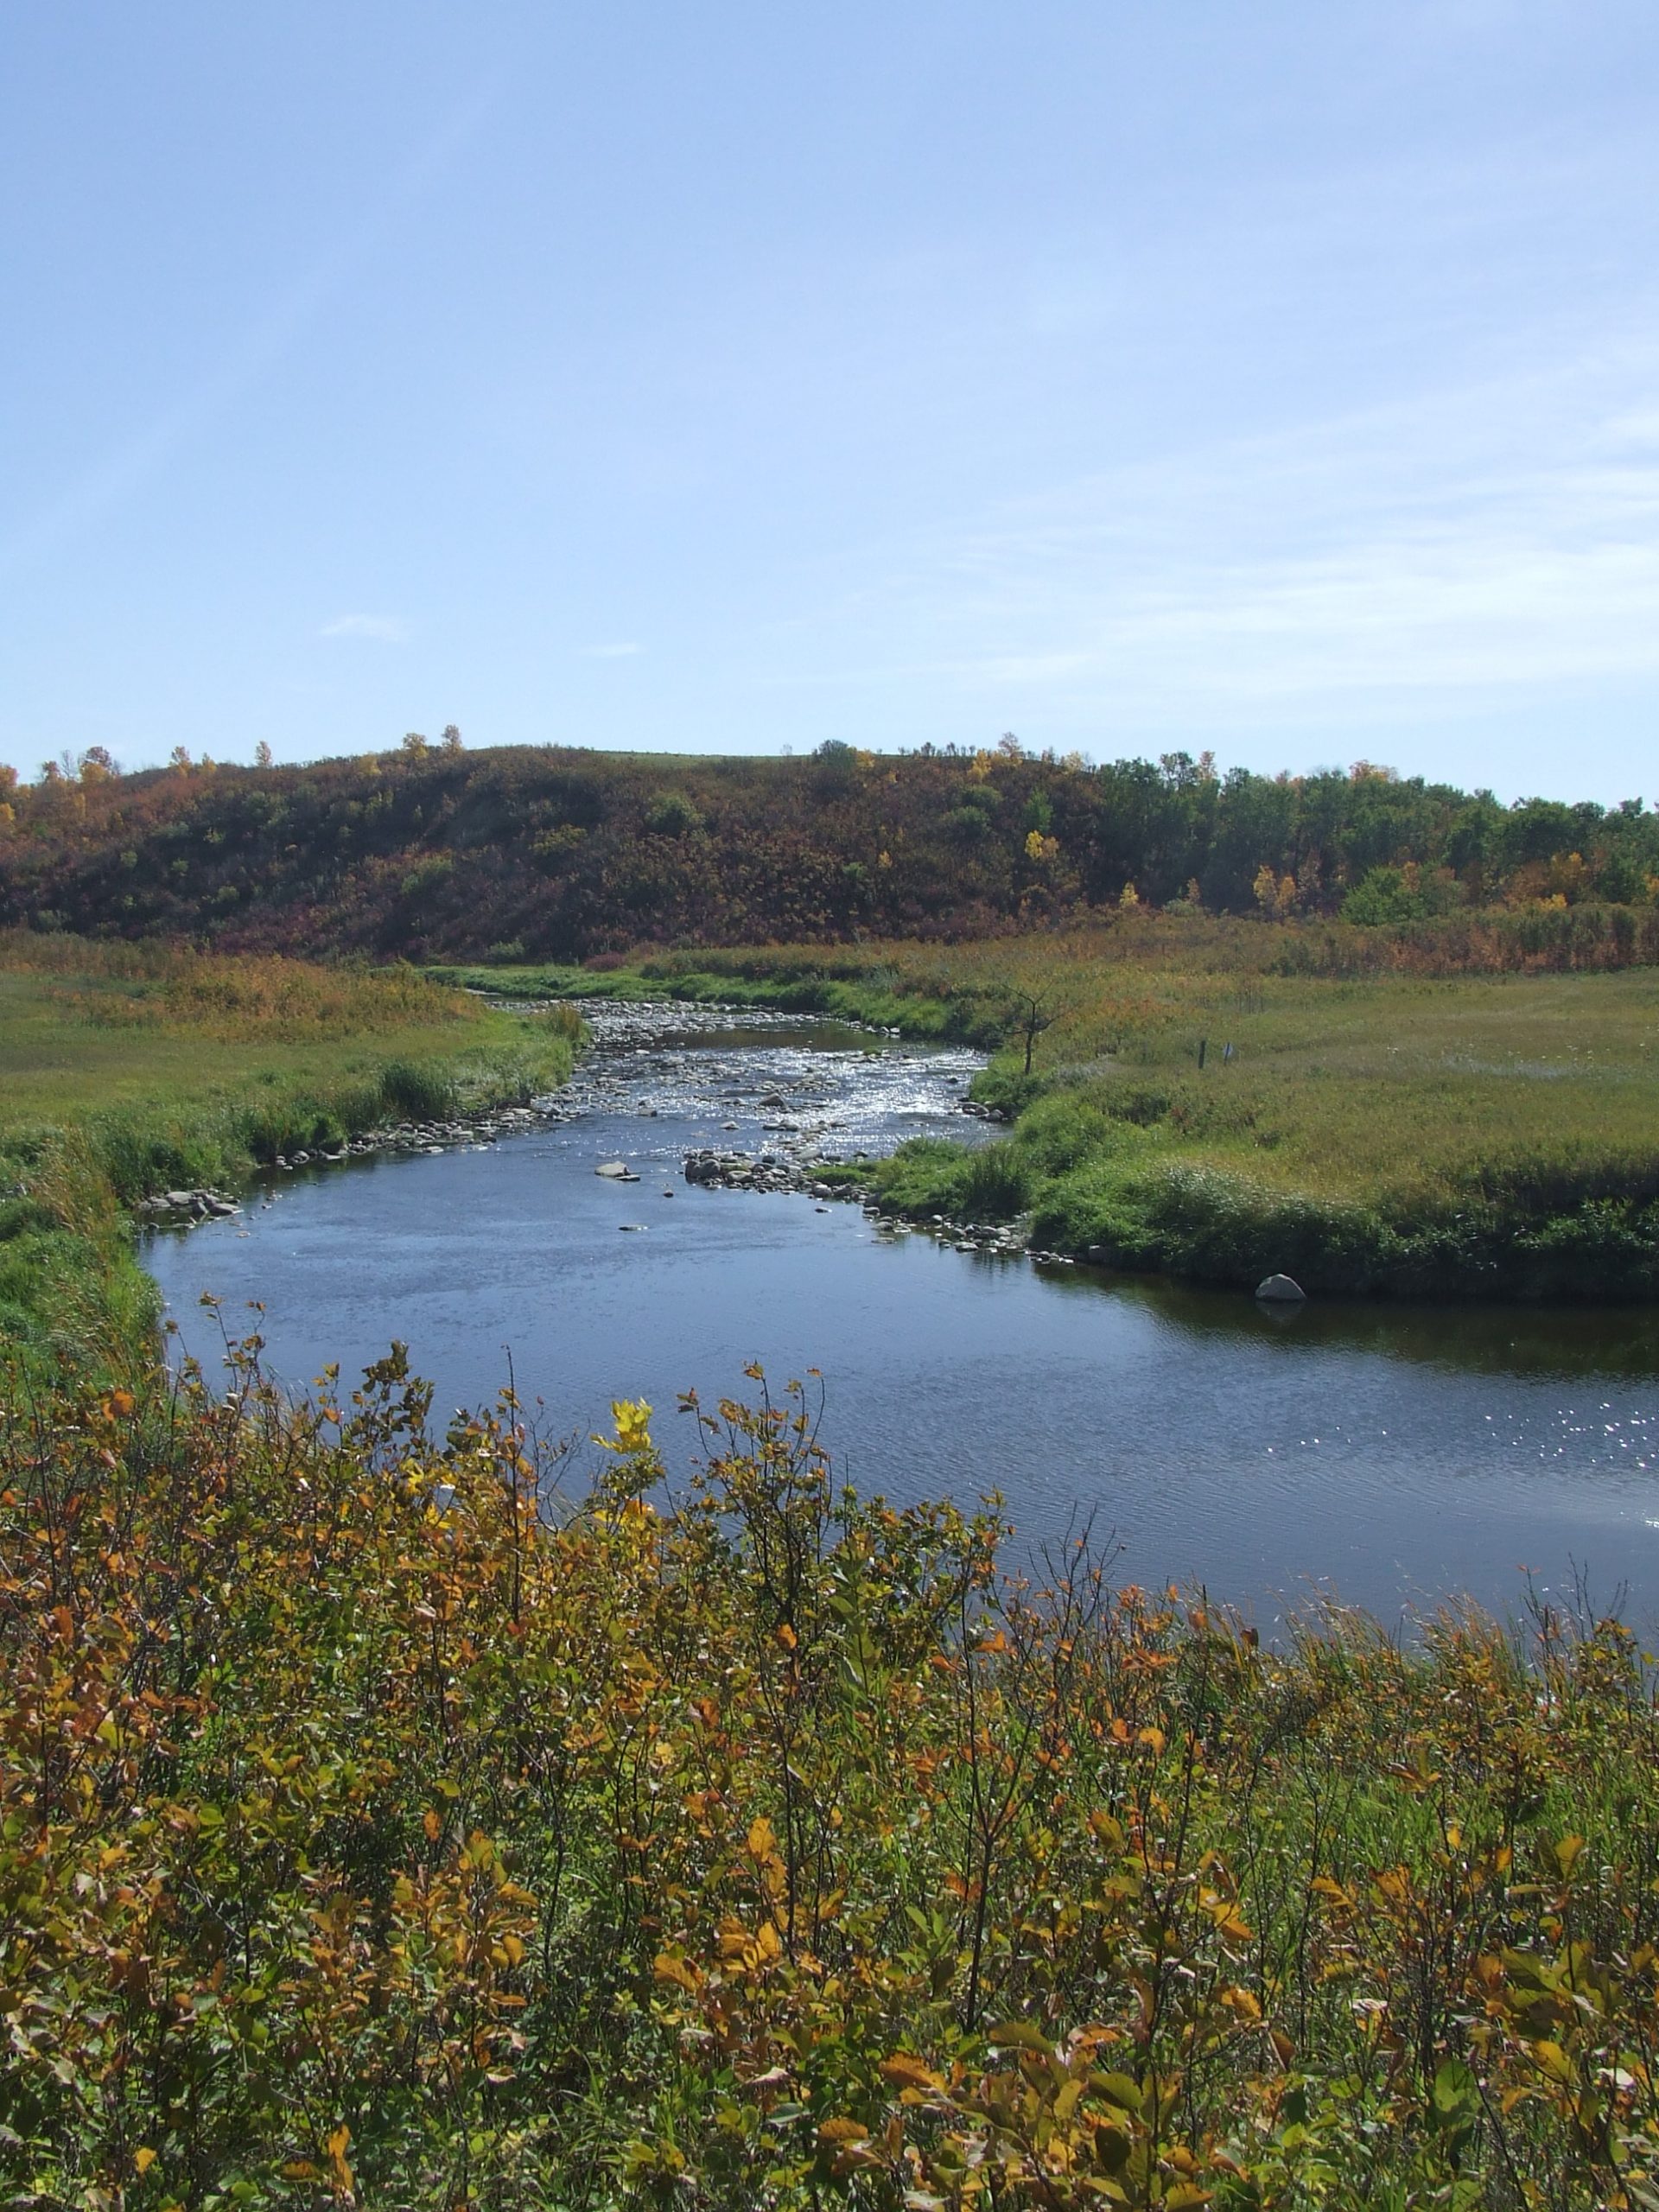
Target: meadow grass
(128,1070)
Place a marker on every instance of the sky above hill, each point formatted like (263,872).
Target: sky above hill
(1281,380)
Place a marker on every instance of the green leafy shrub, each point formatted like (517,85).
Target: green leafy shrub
(416,1093)
(671,814)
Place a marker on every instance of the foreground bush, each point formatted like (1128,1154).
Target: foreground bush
(373,1832)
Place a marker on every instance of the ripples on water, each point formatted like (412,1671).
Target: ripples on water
(1391,1454)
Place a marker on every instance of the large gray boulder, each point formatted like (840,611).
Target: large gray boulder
(1280,1290)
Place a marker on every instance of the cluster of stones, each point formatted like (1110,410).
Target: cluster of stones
(997,1236)
(183,1207)
(736,1171)
(412,1137)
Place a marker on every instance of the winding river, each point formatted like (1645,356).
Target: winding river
(1386,1456)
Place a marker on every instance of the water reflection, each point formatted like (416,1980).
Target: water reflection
(1541,1340)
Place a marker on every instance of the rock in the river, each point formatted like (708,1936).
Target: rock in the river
(616,1171)
(1280,1290)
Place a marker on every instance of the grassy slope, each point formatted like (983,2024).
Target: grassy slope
(1488,1133)
(125,1071)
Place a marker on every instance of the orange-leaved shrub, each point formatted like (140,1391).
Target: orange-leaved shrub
(379,1825)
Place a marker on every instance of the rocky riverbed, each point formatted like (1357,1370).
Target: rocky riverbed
(822,1094)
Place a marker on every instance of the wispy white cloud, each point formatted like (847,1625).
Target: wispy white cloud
(1465,544)
(383,629)
(624,652)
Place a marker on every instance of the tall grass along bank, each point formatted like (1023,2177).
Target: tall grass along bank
(133,1070)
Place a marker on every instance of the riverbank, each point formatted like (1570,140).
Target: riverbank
(396,1820)
(1198,1105)
(130,1072)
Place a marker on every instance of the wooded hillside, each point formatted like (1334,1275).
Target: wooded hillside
(555,852)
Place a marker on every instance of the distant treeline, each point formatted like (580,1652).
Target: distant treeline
(553,851)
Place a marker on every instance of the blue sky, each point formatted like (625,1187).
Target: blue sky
(1277,379)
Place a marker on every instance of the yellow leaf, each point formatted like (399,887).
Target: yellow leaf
(843,2130)
(1106,1830)
(1553,2061)
(1567,1855)
(906,2071)
(763,1838)
(143,2159)
(339,2164)
(667,1968)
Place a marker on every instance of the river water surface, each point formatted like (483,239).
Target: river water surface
(1389,1455)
